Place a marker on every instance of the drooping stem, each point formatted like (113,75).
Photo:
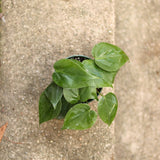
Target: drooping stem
(100,93)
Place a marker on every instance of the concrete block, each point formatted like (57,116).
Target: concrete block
(35,35)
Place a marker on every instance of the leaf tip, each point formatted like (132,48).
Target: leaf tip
(63,127)
(40,122)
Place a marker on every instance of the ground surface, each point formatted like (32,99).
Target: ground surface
(137,126)
(36,34)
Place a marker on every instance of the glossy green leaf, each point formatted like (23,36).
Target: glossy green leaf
(78,62)
(46,110)
(106,78)
(54,94)
(65,108)
(107,108)
(79,117)
(109,57)
(70,74)
(87,93)
(71,95)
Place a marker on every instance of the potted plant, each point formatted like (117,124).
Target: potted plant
(76,81)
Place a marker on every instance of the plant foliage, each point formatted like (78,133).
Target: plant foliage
(75,83)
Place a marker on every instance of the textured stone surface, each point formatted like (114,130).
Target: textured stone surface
(35,35)
(137,85)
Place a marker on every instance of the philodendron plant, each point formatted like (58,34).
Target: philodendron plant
(76,81)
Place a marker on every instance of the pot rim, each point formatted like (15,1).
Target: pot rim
(78,56)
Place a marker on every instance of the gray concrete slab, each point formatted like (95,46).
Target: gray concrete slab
(137,85)
(35,35)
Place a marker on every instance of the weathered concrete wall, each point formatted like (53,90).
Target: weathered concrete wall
(35,35)
(137,85)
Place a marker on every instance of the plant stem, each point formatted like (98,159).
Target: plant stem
(99,93)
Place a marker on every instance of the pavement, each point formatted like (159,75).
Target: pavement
(37,33)
(137,125)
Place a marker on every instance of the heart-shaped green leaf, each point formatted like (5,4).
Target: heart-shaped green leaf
(71,95)
(107,108)
(54,93)
(78,62)
(109,57)
(87,93)
(46,110)
(79,117)
(106,78)
(70,74)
